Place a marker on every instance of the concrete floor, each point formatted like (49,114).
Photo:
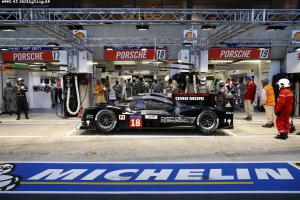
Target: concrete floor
(46,137)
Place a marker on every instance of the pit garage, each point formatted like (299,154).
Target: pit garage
(166,127)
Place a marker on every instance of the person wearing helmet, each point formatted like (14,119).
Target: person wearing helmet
(9,96)
(202,87)
(118,90)
(21,90)
(284,108)
(249,98)
(268,102)
(221,93)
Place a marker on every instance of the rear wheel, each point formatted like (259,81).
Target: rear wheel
(106,120)
(207,121)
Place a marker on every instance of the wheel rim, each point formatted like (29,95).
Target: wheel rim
(207,121)
(106,119)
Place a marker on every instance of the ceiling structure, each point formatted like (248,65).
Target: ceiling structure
(231,17)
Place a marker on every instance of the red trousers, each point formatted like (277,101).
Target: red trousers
(283,123)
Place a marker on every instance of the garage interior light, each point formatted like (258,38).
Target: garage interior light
(275,28)
(142,27)
(7,28)
(53,44)
(144,48)
(109,48)
(297,49)
(208,27)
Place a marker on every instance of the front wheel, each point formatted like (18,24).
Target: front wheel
(106,120)
(207,121)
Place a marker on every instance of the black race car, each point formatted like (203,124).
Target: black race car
(155,111)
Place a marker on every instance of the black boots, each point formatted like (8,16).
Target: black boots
(18,117)
(248,118)
(268,125)
(281,136)
(26,116)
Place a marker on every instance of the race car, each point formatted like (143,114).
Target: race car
(154,111)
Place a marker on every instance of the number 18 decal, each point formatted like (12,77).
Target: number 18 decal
(135,122)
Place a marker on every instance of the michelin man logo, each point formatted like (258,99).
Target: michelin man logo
(8,181)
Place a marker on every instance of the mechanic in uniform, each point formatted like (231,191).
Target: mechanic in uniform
(222,91)
(21,90)
(99,90)
(128,88)
(284,108)
(9,97)
(249,98)
(171,86)
(118,90)
(58,93)
(155,86)
(268,101)
(134,87)
(141,85)
(202,87)
(189,85)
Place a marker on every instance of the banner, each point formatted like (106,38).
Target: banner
(30,56)
(239,53)
(138,177)
(135,54)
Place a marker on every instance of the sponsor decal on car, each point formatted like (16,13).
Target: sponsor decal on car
(173,120)
(89,116)
(150,116)
(121,117)
(189,98)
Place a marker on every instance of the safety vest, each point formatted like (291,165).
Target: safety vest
(270,95)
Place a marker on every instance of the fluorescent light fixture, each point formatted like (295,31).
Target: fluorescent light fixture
(297,49)
(4,49)
(95,63)
(275,28)
(109,48)
(142,27)
(124,62)
(208,27)
(249,61)
(187,44)
(219,61)
(144,48)
(53,44)
(7,28)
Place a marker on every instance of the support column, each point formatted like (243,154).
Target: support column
(274,69)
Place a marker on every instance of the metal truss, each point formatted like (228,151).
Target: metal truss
(120,42)
(149,16)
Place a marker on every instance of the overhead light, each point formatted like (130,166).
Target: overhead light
(249,61)
(75,27)
(143,48)
(125,62)
(275,28)
(95,63)
(108,48)
(142,27)
(187,44)
(208,27)
(7,28)
(297,49)
(52,44)
(4,49)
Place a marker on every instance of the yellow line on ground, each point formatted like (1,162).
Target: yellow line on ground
(137,183)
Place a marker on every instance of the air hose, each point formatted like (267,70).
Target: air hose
(68,97)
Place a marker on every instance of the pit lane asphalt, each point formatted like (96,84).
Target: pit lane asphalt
(45,137)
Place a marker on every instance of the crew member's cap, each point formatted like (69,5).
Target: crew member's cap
(249,78)
(266,80)
(20,79)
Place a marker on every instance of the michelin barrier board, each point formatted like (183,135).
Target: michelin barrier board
(253,177)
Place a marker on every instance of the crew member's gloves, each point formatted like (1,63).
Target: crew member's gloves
(278,113)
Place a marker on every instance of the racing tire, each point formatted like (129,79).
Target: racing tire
(207,121)
(106,121)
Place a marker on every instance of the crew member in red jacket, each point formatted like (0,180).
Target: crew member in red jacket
(284,108)
(249,98)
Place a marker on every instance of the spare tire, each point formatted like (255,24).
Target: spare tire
(106,120)
(207,121)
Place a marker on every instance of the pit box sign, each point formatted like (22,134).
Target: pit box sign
(33,55)
(136,54)
(239,53)
(139,177)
